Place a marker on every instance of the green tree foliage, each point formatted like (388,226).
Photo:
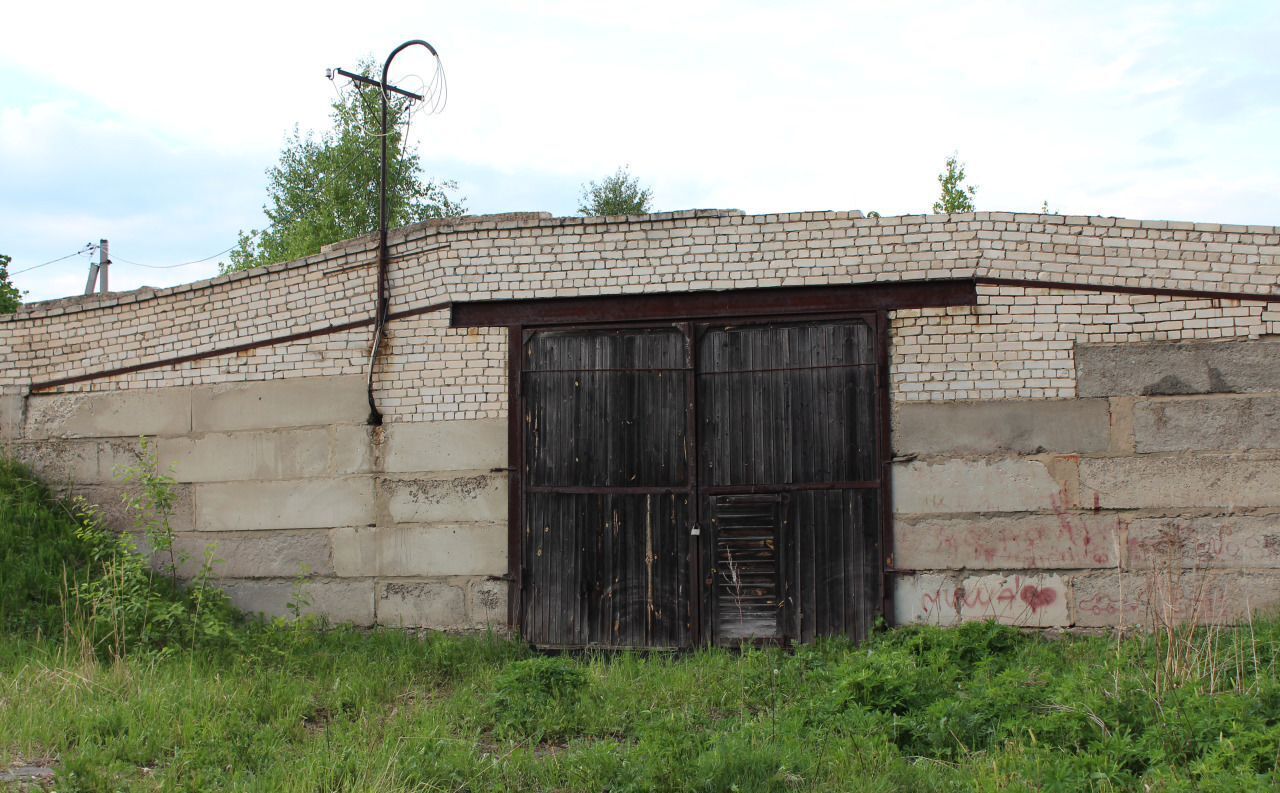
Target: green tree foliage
(619,194)
(10,297)
(325,188)
(956,195)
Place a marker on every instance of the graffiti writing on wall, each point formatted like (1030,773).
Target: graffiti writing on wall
(1014,599)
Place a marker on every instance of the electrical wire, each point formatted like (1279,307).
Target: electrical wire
(115,259)
(434,93)
(89,248)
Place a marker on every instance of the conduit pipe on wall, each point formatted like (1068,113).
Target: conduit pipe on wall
(380,311)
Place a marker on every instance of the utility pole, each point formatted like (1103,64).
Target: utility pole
(104,262)
(98,270)
(383,299)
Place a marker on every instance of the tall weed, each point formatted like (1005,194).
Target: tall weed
(128,601)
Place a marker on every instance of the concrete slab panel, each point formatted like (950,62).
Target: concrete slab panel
(960,486)
(1028,426)
(467,499)
(12,410)
(110,501)
(284,554)
(1011,599)
(1223,541)
(1202,480)
(1156,598)
(338,600)
(421,551)
(421,604)
(272,404)
(129,413)
(1207,423)
(118,455)
(1164,368)
(478,445)
(297,504)
(351,449)
(1066,540)
(226,457)
(487,603)
(61,461)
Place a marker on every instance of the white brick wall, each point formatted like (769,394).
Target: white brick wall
(1016,342)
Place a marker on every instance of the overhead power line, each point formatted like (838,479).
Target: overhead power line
(172,266)
(89,248)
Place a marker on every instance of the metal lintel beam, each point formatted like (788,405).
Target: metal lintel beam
(740,303)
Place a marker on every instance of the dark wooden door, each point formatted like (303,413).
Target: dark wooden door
(789,476)
(605,538)
(710,483)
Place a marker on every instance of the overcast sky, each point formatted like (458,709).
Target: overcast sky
(151,125)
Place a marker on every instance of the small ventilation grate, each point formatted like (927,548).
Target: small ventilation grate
(747,570)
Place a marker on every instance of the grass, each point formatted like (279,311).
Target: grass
(278,706)
(39,552)
(978,708)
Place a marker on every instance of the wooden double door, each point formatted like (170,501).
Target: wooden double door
(693,483)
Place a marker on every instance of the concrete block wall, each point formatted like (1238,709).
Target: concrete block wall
(1057,445)
(400,525)
(1154,495)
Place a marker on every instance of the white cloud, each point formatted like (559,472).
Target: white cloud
(1150,109)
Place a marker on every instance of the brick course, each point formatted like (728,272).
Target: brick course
(1048,511)
(1016,343)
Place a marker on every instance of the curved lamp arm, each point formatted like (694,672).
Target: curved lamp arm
(384,302)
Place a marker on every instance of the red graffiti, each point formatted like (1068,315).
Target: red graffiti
(1037,597)
(1006,597)
(1099,604)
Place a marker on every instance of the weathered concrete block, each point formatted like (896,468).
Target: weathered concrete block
(421,604)
(299,504)
(1223,541)
(1159,368)
(1027,426)
(1007,485)
(282,554)
(418,551)
(446,446)
(351,449)
(129,413)
(1175,596)
(1067,540)
(268,454)
(339,600)
(487,603)
(1032,601)
(117,455)
(109,499)
(468,499)
(1209,423)
(12,408)
(62,461)
(270,404)
(1226,481)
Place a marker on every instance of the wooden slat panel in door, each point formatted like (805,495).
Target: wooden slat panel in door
(792,410)
(748,567)
(605,417)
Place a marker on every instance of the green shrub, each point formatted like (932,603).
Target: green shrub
(66,572)
(124,602)
(537,699)
(40,555)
